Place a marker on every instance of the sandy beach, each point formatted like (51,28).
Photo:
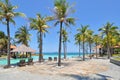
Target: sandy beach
(71,69)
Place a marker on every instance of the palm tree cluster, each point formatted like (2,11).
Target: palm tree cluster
(111,35)
(84,38)
(107,38)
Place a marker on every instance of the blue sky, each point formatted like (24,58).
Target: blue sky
(88,12)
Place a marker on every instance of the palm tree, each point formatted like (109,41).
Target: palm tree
(23,35)
(40,25)
(108,30)
(90,40)
(7,13)
(83,31)
(117,38)
(78,40)
(3,41)
(96,39)
(64,40)
(61,11)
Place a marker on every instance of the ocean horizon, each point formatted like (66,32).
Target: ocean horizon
(55,54)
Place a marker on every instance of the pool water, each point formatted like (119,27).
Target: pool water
(12,61)
(35,58)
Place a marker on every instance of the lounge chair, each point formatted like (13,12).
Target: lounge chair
(42,60)
(49,58)
(55,58)
(91,56)
(30,61)
(6,66)
(22,63)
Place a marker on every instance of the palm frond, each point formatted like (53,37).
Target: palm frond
(56,23)
(70,21)
(19,14)
(12,21)
(14,7)
(50,18)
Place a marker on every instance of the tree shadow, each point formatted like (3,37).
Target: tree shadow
(78,60)
(83,77)
(86,59)
(62,64)
(104,58)
(104,76)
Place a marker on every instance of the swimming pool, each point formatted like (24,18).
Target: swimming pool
(35,58)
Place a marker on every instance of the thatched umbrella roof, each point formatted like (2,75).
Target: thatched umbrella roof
(23,48)
(12,47)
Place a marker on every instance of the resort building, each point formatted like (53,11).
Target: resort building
(103,50)
(4,50)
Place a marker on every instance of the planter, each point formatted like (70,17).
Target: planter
(115,62)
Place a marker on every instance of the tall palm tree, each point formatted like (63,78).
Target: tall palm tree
(90,40)
(83,30)
(23,35)
(78,40)
(113,38)
(61,11)
(64,40)
(7,13)
(107,30)
(39,24)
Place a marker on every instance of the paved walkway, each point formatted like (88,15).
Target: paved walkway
(113,73)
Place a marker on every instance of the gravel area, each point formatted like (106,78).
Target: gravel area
(111,72)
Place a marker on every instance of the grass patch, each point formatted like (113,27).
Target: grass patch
(3,56)
(116,57)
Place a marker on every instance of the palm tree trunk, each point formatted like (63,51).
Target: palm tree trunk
(60,39)
(8,45)
(83,50)
(96,50)
(64,47)
(65,50)
(79,49)
(40,50)
(111,47)
(90,50)
(108,47)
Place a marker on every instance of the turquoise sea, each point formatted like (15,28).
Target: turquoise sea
(35,58)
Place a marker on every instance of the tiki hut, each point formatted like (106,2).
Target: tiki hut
(23,50)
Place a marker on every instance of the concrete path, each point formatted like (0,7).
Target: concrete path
(113,73)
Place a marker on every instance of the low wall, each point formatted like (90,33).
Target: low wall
(115,62)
